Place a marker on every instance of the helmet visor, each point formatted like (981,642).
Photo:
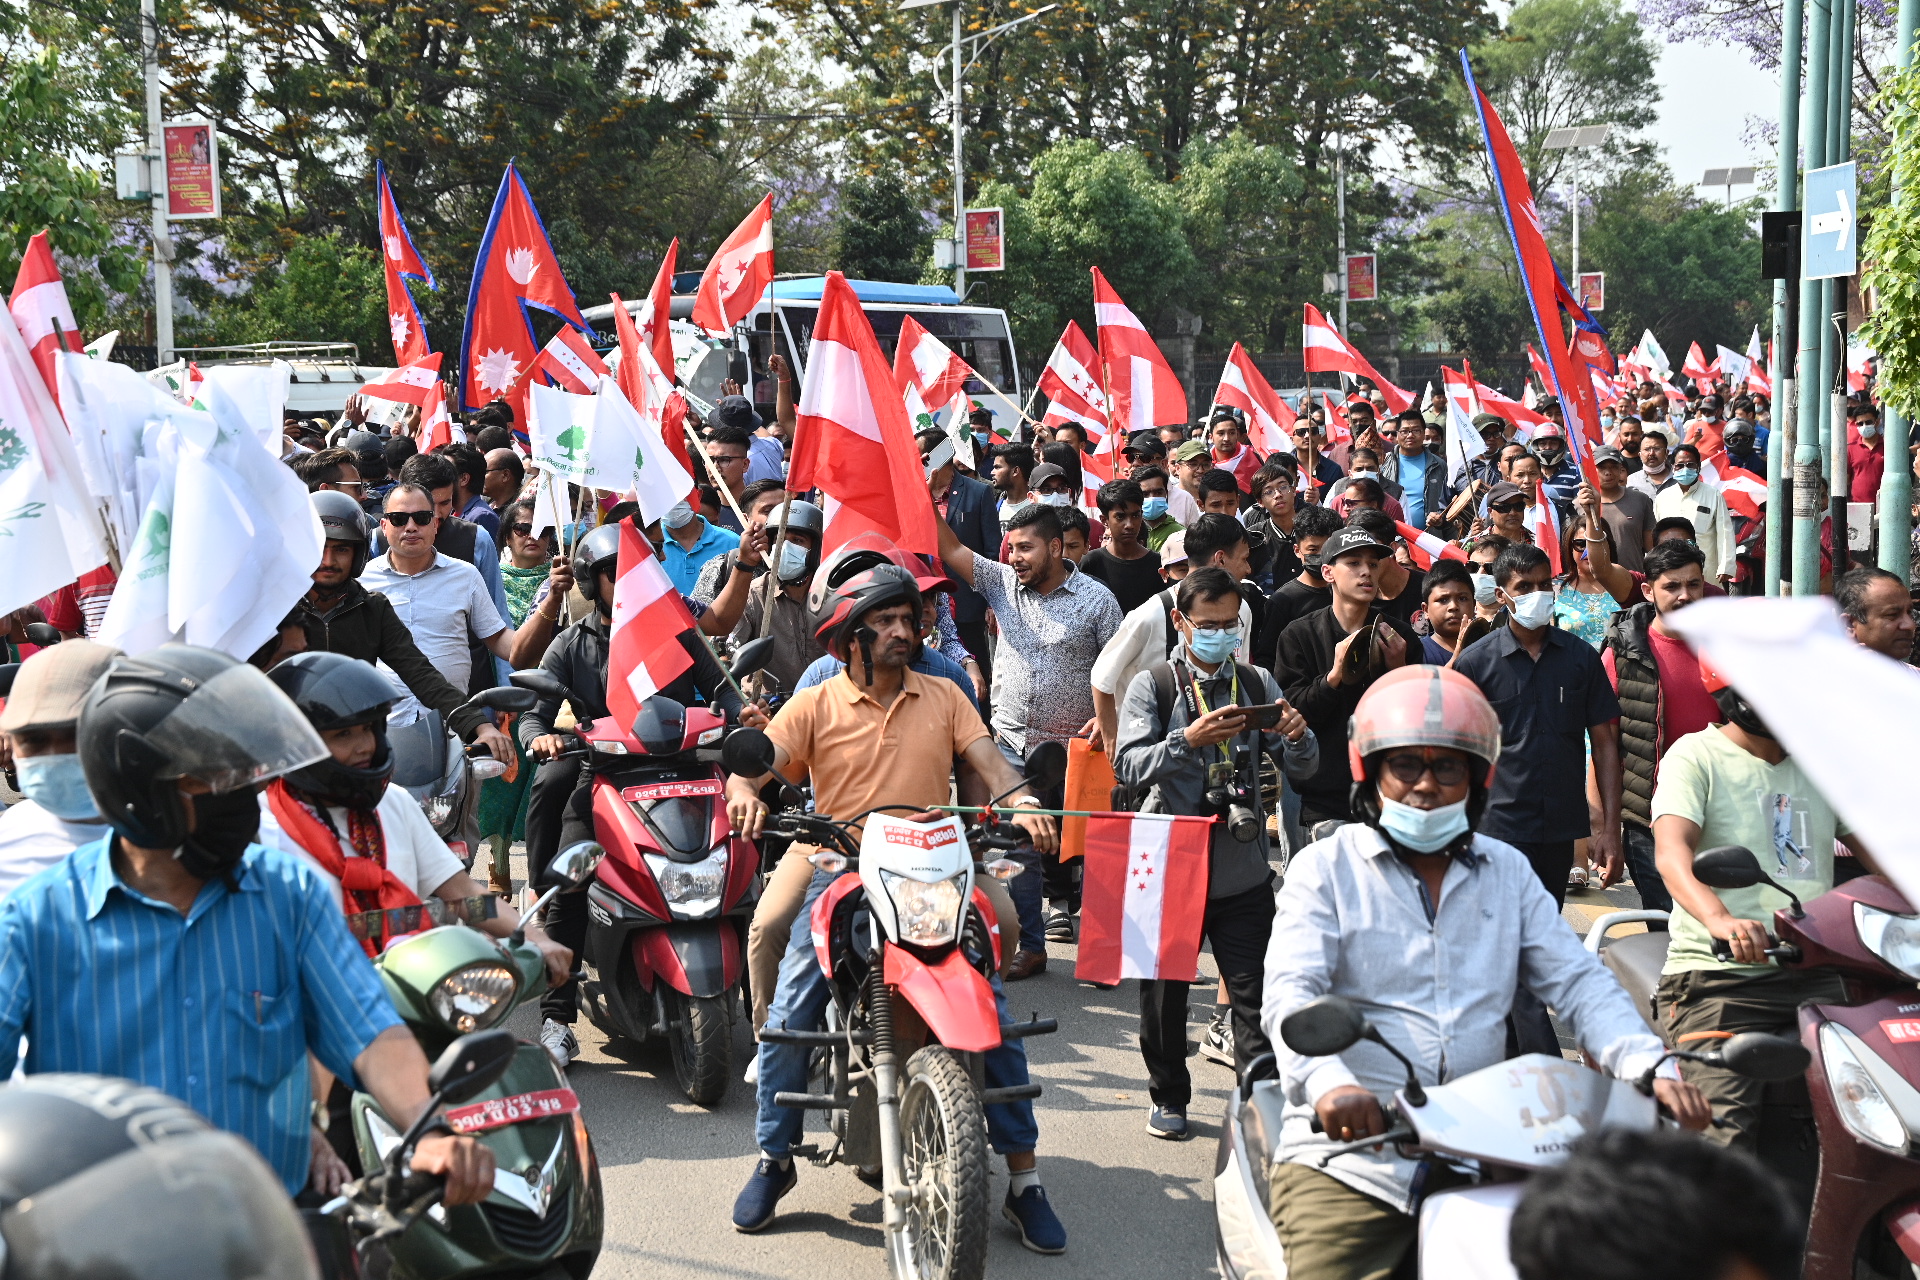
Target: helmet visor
(238,729)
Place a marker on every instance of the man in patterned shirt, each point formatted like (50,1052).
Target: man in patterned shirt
(1053,621)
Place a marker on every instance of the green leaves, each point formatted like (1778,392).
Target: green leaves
(1890,258)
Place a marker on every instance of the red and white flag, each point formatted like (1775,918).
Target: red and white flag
(929,364)
(1325,351)
(570,362)
(418,384)
(1543,521)
(1425,548)
(1860,360)
(1745,492)
(739,273)
(1141,386)
(633,371)
(1143,898)
(644,653)
(1269,420)
(1071,382)
(1696,367)
(38,305)
(653,319)
(852,439)
(403,263)
(1759,369)
(1541,371)
(1337,430)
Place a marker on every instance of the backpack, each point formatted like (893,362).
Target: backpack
(1124,798)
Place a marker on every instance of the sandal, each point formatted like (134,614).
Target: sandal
(1577,878)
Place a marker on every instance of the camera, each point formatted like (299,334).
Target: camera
(1234,803)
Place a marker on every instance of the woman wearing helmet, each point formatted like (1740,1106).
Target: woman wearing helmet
(1428,928)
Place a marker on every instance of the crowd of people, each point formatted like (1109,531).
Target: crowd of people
(1411,758)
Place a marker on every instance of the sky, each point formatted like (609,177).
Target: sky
(1707,95)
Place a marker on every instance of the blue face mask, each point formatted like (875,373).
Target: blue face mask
(1154,508)
(1686,475)
(1484,589)
(1423,830)
(1214,646)
(1056,499)
(793,562)
(56,784)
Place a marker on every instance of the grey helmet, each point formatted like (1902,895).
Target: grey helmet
(799,517)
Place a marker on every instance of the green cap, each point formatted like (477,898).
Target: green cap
(1190,450)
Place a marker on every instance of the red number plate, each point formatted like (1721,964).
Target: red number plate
(497,1113)
(673,790)
(1902,1030)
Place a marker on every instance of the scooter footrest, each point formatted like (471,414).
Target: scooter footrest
(811,1101)
(1038,1027)
(1012,1093)
(780,1035)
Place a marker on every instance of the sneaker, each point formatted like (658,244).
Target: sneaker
(1169,1123)
(1217,1043)
(1059,925)
(759,1200)
(558,1040)
(1039,1227)
(753,1068)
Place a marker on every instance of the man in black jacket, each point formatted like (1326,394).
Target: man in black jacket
(341,616)
(578,659)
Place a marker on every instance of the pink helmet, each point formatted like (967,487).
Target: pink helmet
(1423,706)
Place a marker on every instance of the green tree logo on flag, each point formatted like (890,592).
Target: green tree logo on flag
(572,440)
(156,544)
(13,451)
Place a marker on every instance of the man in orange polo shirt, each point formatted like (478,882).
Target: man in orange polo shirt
(877,733)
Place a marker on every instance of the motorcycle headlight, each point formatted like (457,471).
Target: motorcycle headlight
(1894,938)
(692,889)
(1863,1107)
(473,998)
(929,913)
(438,809)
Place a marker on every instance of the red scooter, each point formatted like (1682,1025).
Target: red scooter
(669,905)
(1865,1077)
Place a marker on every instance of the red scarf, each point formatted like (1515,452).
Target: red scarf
(368,884)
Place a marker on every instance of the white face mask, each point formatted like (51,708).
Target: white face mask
(1056,499)
(1533,610)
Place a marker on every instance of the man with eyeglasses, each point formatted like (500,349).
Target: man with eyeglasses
(1309,444)
(728,451)
(334,469)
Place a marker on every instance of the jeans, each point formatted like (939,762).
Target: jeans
(1636,844)
(800,1004)
(1036,880)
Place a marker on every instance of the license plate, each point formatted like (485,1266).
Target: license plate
(497,1113)
(1902,1030)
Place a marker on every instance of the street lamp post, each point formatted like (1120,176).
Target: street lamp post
(1576,138)
(1738,176)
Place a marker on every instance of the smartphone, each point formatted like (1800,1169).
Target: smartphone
(1264,716)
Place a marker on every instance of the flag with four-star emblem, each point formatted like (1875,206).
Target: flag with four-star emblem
(516,269)
(1143,898)
(739,273)
(403,263)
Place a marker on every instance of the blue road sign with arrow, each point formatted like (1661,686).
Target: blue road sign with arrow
(1829,245)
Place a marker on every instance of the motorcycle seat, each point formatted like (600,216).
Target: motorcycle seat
(1636,960)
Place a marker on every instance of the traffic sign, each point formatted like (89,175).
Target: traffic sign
(1830,245)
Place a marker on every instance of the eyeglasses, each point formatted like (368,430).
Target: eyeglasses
(1215,626)
(727,459)
(1407,766)
(355,487)
(524,529)
(399,519)
(1508,508)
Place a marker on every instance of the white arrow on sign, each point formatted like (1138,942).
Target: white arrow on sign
(1839,220)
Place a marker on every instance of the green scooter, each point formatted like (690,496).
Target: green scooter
(545,1216)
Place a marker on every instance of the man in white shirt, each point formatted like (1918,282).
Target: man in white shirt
(1701,503)
(37,730)
(440,599)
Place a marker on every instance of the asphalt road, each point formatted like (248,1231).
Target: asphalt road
(1133,1205)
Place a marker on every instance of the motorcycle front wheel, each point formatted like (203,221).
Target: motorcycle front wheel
(702,1046)
(943,1140)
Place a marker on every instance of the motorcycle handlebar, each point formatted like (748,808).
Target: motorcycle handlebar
(1786,951)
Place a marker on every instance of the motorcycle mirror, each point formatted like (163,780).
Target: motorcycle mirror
(1765,1057)
(40,633)
(1046,765)
(747,753)
(1323,1027)
(752,657)
(505,698)
(7,672)
(1728,866)
(574,865)
(541,682)
(472,1063)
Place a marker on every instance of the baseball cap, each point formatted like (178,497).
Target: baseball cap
(1504,491)
(1044,472)
(1485,422)
(1350,538)
(50,685)
(1174,549)
(1607,453)
(1190,450)
(1147,443)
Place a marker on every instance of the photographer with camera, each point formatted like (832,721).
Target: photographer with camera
(1192,731)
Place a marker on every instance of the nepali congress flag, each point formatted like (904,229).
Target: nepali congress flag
(1543,522)
(651,322)
(418,384)
(516,269)
(1744,490)
(41,311)
(633,373)
(1540,279)
(1071,382)
(1425,548)
(931,377)
(1141,387)
(1269,420)
(740,272)
(644,652)
(1143,898)
(403,263)
(1325,351)
(568,361)
(1696,367)
(852,439)
(1759,367)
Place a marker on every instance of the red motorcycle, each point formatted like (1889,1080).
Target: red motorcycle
(1865,1077)
(668,909)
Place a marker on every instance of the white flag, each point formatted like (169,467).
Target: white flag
(137,614)
(564,432)
(657,479)
(50,527)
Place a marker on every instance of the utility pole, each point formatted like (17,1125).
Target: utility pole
(1785,199)
(157,179)
(1896,484)
(959,170)
(1809,386)
(1340,203)
(1833,339)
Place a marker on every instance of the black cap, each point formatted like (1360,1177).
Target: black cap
(1350,538)
(1607,453)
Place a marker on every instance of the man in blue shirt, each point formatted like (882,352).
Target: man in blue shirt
(1422,476)
(178,953)
(689,543)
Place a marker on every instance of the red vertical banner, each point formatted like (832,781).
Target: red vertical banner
(1363,278)
(986,240)
(191,153)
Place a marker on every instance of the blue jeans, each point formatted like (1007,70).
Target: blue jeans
(800,1004)
(1028,889)
(1636,844)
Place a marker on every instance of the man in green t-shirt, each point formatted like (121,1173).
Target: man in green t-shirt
(1733,783)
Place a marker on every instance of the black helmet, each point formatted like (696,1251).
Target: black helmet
(344,521)
(180,711)
(89,1165)
(800,517)
(334,691)
(854,581)
(596,551)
